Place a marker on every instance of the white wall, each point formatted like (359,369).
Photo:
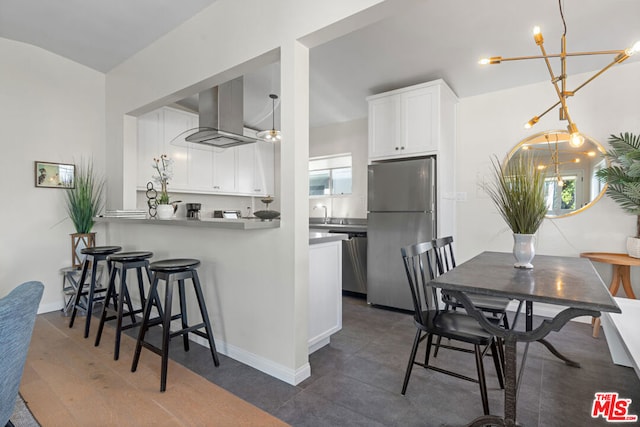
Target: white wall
(340,138)
(492,124)
(52,110)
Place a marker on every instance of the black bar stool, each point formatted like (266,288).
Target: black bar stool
(171,270)
(120,263)
(93,256)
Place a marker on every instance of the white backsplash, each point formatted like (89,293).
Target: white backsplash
(211,203)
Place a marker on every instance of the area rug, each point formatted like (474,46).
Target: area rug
(21,416)
(69,382)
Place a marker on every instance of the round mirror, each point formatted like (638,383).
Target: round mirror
(570,184)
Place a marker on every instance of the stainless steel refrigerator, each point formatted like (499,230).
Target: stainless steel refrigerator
(401,212)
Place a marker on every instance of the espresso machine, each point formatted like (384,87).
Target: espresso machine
(193,210)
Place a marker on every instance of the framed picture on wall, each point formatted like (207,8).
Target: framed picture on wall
(55,175)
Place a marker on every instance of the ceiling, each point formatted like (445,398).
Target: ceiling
(436,39)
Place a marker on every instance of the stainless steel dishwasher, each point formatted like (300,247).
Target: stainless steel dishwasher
(354,261)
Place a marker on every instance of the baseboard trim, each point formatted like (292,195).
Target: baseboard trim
(48,308)
(290,376)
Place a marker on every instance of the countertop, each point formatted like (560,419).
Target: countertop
(234,224)
(342,228)
(316,237)
(340,225)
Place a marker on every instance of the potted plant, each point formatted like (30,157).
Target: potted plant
(84,201)
(517,190)
(623,179)
(162,166)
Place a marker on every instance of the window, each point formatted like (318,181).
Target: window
(330,175)
(565,197)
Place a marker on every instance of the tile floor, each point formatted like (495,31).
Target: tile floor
(356,380)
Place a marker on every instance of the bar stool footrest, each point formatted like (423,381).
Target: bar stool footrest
(193,329)
(201,334)
(114,316)
(152,348)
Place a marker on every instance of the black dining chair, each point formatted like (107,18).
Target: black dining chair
(420,263)
(445,260)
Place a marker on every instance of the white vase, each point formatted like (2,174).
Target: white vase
(524,250)
(633,247)
(164,211)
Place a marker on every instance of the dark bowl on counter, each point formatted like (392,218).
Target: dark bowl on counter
(267,215)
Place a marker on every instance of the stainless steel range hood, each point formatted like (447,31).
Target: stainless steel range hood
(221,112)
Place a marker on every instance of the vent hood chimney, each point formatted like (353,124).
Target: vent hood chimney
(221,113)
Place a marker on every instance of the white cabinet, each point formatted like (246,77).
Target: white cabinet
(246,173)
(200,169)
(264,169)
(325,293)
(157,132)
(224,170)
(150,138)
(175,147)
(255,168)
(408,122)
(418,121)
(246,170)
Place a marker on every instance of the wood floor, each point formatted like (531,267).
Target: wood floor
(69,382)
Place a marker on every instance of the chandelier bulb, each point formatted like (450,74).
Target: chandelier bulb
(531,122)
(576,140)
(633,49)
(537,35)
(490,61)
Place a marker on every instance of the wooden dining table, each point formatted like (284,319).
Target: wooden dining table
(568,282)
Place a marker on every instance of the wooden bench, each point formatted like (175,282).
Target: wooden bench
(623,336)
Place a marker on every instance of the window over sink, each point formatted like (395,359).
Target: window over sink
(330,175)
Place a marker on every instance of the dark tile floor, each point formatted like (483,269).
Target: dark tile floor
(356,380)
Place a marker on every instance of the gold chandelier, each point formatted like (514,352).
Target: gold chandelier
(559,82)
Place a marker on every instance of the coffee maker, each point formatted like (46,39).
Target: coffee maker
(193,210)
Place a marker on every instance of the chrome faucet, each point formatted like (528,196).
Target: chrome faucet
(325,212)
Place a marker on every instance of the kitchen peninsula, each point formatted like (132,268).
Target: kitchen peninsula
(234,281)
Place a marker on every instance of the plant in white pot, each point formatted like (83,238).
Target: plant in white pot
(517,190)
(162,166)
(623,179)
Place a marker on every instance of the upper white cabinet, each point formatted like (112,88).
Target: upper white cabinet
(176,122)
(255,169)
(225,168)
(411,121)
(150,139)
(243,170)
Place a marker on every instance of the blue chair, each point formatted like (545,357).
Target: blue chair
(17,315)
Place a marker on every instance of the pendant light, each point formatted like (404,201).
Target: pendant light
(271,135)
(559,81)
